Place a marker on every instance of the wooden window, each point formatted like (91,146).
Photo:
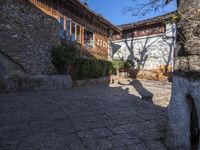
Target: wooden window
(88,38)
(101,42)
(62,32)
(68,28)
(73,31)
(105,44)
(98,42)
(78,32)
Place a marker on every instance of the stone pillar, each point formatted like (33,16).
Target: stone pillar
(186,80)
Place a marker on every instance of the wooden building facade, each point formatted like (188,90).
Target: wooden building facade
(147,27)
(81,25)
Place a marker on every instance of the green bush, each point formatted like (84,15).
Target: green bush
(121,64)
(117,64)
(91,68)
(128,64)
(64,56)
(66,59)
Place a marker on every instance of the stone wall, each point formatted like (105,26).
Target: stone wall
(11,73)
(27,35)
(184,109)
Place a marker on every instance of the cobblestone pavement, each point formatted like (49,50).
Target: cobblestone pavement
(158,92)
(95,117)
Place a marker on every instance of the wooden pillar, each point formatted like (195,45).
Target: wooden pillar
(94,40)
(65,29)
(83,38)
(75,31)
(70,29)
(82,35)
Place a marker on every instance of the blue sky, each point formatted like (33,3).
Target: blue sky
(113,10)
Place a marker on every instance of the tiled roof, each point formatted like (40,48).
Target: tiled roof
(100,17)
(162,18)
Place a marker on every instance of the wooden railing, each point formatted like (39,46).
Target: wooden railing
(48,6)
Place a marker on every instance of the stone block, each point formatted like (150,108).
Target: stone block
(91,81)
(46,82)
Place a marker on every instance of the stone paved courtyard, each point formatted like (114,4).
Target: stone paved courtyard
(96,117)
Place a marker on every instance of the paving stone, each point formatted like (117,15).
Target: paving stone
(123,139)
(102,132)
(79,126)
(119,148)
(6,145)
(85,118)
(64,126)
(150,134)
(58,116)
(138,147)
(98,144)
(154,145)
(6,135)
(117,130)
(40,127)
(88,134)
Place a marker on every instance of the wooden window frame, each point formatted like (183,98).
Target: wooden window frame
(77,33)
(70,24)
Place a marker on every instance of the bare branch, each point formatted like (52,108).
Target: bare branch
(142,8)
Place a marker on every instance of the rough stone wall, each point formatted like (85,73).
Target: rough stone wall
(186,80)
(187,52)
(27,35)
(11,73)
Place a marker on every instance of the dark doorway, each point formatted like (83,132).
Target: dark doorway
(194,125)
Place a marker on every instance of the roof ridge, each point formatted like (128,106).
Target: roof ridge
(167,15)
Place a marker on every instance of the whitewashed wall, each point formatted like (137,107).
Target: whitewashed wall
(148,52)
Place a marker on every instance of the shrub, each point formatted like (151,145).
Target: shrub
(128,64)
(64,56)
(122,64)
(90,68)
(117,64)
(66,59)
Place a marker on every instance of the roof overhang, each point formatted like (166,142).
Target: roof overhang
(94,14)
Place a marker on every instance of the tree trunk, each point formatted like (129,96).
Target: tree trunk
(186,79)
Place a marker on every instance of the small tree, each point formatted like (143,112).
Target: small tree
(65,56)
(117,64)
(122,64)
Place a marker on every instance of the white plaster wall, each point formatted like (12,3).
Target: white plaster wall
(148,52)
